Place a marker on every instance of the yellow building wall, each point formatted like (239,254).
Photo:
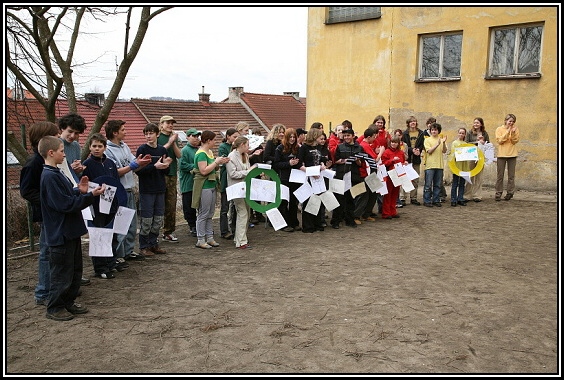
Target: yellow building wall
(357,70)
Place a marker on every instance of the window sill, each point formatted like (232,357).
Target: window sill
(515,76)
(425,80)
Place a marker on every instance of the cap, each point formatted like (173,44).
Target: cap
(348,131)
(193,132)
(167,118)
(301,131)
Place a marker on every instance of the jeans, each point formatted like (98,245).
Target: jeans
(44,277)
(433,181)
(457,190)
(126,243)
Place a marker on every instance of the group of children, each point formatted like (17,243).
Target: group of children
(58,188)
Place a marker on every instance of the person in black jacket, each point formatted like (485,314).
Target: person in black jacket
(30,177)
(286,159)
(413,138)
(345,162)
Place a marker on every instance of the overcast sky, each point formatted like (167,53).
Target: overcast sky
(262,49)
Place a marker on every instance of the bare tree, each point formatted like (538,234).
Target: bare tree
(34,57)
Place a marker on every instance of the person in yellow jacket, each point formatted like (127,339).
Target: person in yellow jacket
(507,136)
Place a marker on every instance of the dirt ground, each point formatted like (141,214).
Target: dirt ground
(457,290)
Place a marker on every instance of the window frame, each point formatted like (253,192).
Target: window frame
(441,77)
(514,75)
(332,15)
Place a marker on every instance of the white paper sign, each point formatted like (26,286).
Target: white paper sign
(337,186)
(297,176)
(411,173)
(328,173)
(373,182)
(100,241)
(358,189)
(106,199)
(313,204)
(303,192)
(313,170)
(237,190)
(466,153)
(317,184)
(254,141)
(284,192)
(276,219)
(329,200)
(264,166)
(123,219)
(263,190)
(400,170)
(347,179)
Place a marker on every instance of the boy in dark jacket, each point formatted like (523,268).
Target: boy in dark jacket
(62,205)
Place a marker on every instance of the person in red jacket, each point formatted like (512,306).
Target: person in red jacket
(335,139)
(391,156)
(371,197)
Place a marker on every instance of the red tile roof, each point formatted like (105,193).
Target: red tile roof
(272,109)
(29,111)
(217,117)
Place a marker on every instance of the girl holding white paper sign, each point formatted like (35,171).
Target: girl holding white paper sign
(286,159)
(458,183)
(392,156)
(237,169)
(309,155)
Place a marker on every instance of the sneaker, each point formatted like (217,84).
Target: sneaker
(477,200)
(193,232)
(453,204)
(428,205)
(120,261)
(147,252)
(203,245)
(61,315)
(297,228)
(228,236)
(369,219)
(158,250)
(415,202)
(288,229)
(438,204)
(399,205)
(213,243)
(105,275)
(77,308)
(42,302)
(84,281)
(403,203)
(171,238)
(135,257)
(357,222)
(245,246)
(462,203)
(121,268)
(508,196)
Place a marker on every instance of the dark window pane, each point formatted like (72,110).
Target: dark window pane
(452,55)
(431,56)
(529,50)
(504,45)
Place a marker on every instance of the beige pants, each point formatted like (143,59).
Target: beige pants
(241,222)
(474,190)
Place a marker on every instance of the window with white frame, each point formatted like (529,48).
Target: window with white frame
(347,14)
(515,51)
(440,56)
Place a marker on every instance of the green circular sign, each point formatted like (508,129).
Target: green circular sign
(253,204)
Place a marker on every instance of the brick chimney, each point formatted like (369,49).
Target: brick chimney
(234,94)
(203,97)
